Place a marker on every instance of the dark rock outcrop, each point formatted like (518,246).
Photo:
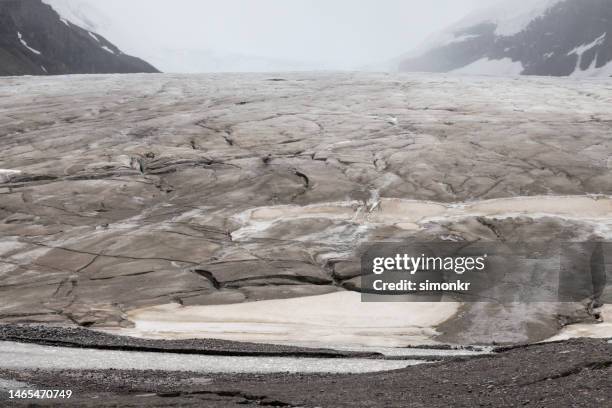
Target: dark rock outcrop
(34,40)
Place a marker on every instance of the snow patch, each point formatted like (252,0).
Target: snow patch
(25,44)
(92,35)
(487,66)
(338,318)
(598,330)
(592,70)
(105,48)
(581,49)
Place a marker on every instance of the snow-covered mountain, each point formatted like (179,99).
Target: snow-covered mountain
(170,57)
(35,40)
(80,13)
(531,37)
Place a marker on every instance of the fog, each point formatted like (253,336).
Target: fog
(333,34)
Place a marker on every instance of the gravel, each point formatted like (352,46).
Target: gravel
(573,373)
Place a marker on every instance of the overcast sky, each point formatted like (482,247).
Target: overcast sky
(340,33)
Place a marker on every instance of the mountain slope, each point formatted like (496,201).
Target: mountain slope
(552,37)
(174,56)
(34,40)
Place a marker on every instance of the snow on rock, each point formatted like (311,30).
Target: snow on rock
(38,36)
(92,35)
(585,47)
(592,70)
(540,34)
(107,49)
(25,44)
